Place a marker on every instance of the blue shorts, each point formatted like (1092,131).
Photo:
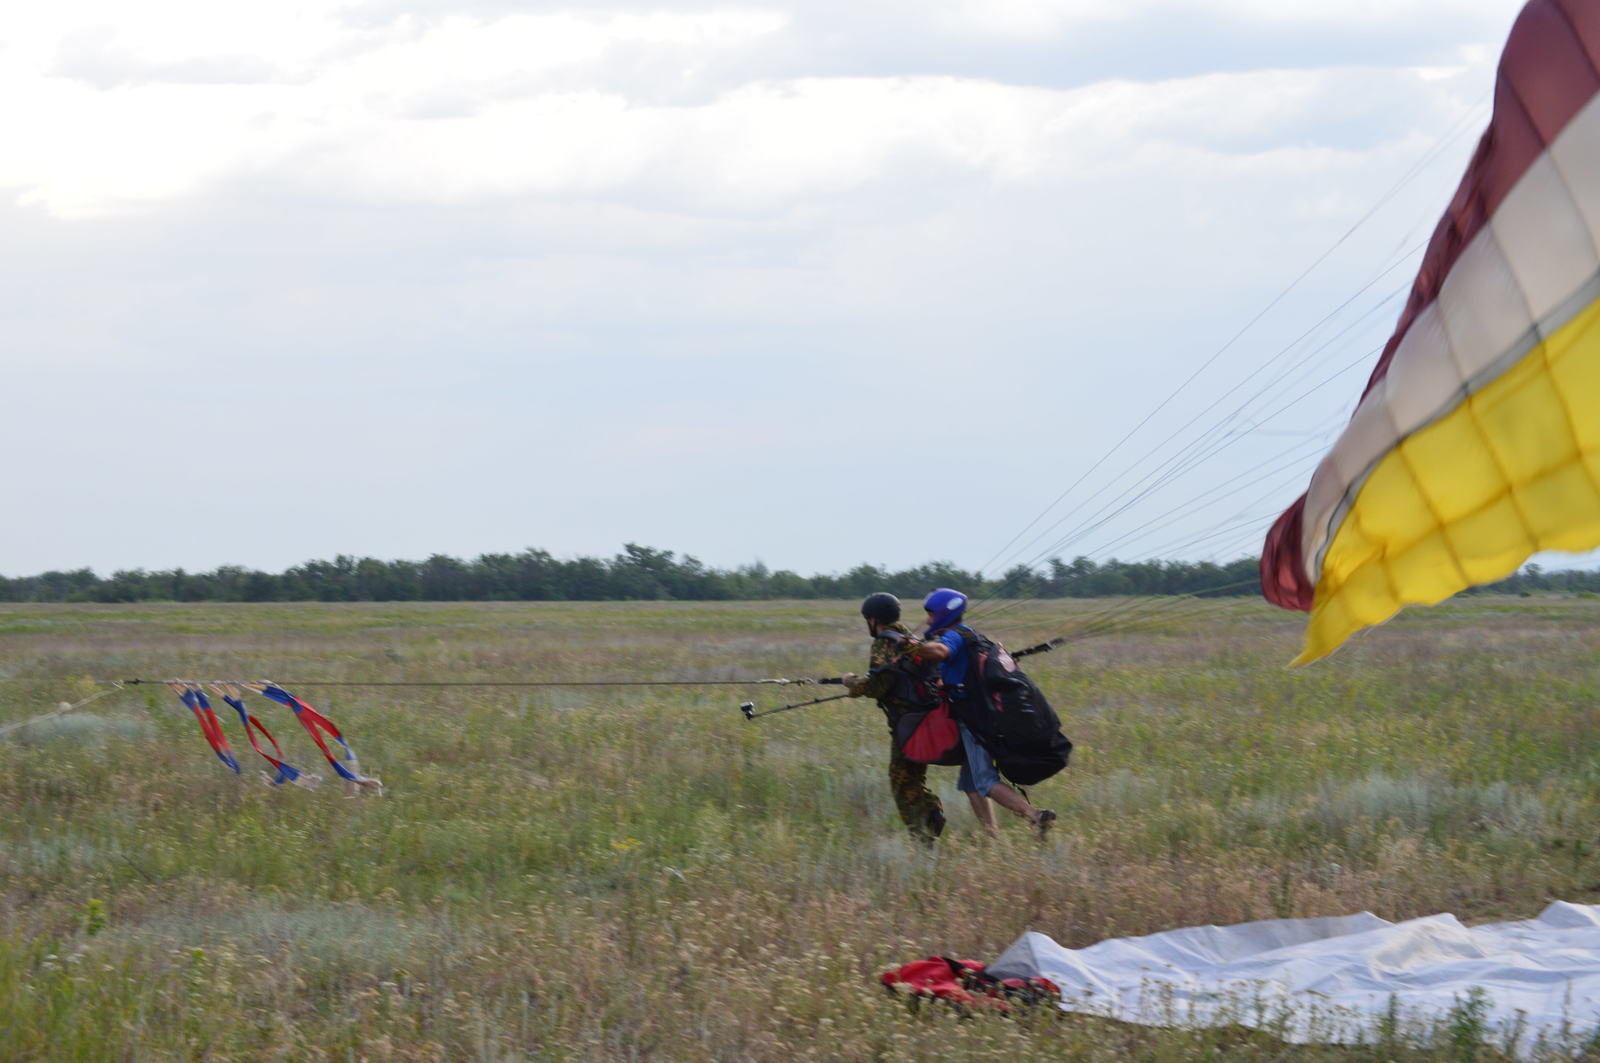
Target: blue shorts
(978,774)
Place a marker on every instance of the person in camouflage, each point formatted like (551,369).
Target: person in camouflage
(891,680)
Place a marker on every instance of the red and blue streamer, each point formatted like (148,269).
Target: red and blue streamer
(210,726)
(286,772)
(316,726)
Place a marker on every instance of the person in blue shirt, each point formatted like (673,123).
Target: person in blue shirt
(980,778)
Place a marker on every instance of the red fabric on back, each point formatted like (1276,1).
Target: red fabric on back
(935,737)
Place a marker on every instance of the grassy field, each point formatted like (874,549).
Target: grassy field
(639,873)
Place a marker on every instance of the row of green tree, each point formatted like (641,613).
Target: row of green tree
(637,573)
(642,573)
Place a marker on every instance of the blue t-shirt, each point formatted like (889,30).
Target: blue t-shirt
(953,669)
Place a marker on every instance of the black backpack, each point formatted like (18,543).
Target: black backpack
(1008,713)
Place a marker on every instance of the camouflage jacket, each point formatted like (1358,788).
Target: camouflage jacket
(893,677)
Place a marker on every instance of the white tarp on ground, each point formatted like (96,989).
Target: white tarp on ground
(1341,979)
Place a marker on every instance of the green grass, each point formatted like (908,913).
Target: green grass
(639,873)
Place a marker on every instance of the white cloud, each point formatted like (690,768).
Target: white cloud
(386,252)
(99,116)
(1033,18)
(347,134)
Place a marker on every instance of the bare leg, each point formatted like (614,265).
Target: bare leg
(1008,798)
(985,813)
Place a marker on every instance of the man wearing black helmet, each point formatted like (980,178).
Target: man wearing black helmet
(899,685)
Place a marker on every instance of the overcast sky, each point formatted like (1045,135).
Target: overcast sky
(814,284)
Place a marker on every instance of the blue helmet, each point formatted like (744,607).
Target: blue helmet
(946,606)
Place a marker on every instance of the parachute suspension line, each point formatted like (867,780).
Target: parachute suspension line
(992,609)
(500,683)
(1145,620)
(1316,443)
(1297,463)
(1137,614)
(1207,498)
(1253,475)
(1143,605)
(1453,134)
(1240,522)
(1195,452)
(59,710)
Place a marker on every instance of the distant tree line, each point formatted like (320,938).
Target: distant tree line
(641,573)
(1532,579)
(637,573)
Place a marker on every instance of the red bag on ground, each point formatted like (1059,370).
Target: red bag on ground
(965,983)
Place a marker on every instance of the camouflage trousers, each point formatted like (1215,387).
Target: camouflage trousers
(918,805)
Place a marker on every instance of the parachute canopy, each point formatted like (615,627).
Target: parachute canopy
(1477,440)
(1334,979)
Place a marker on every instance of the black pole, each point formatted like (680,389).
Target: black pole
(748,707)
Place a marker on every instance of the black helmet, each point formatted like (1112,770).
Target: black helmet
(882,607)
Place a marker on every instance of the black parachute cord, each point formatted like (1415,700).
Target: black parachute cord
(1185,453)
(1298,466)
(1250,535)
(1209,498)
(1225,525)
(1450,136)
(1254,474)
(1317,437)
(1171,474)
(1149,604)
(1278,381)
(1130,617)
(1237,522)
(1439,146)
(490,682)
(748,708)
(1138,611)
(1319,444)
(1230,525)
(1146,621)
(1191,455)
(1254,525)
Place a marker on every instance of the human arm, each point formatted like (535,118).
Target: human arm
(940,647)
(879,681)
